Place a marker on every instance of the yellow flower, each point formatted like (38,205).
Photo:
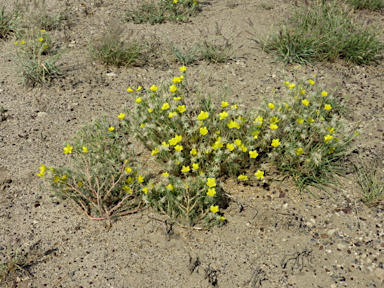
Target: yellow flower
(356,133)
(185,169)
(211,192)
(230,147)
(171,114)
(145,190)
(193,152)
(155,151)
(165,106)
(302,91)
(203,115)
(16,43)
(195,2)
(243,148)
(150,110)
(177,98)
(182,77)
(203,131)
(176,80)
(310,81)
(165,174)
(153,88)
(85,150)
(331,130)
(291,86)
(140,179)
(310,120)
(111,129)
(331,150)
(22,42)
(224,104)
(139,88)
(238,142)
(173,88)
(80,183)
(259,174)
(217,145)
(130,89)
(170,187)
(128,169)
(327,138)
(127,189)
(41,39)
(286,83)
(64,177)
(255,134)
(274,120)
(234,107)
(327,107)
(175,1)
(68,149)
(42,31)
(233,124)
(181,109)
(271,106)
(195,166)
(324,94)
(56,179)
(138,100)
(182,69)
(275,143)
(305,102)
(222,218)
(178,148)
(142,125)
(211,182)
(223,115)
(299,151)
(300,121)
(129,180)
(243,177)
(164,144)
(121,116)
(214,209)
(259,121)
(273,126)
(253,154)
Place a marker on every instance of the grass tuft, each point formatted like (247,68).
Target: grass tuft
(8,22)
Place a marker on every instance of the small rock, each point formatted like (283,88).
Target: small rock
(42,114)
(330,232)
(111,74)
(340,246)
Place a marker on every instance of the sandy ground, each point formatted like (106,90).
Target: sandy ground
(274,237)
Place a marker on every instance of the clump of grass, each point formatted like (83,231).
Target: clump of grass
(185,56)
(8,22)
(111,50)
(103,179)
(35,60)
(173,10)
(371,184)
(37,16)
(324,32)
(216,52)
(372,5)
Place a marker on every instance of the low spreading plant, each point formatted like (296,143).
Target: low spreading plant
(103,179)
(173,10)
(324,31)
(35,59)
(8,22)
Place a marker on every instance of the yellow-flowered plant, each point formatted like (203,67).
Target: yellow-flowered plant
(103,178)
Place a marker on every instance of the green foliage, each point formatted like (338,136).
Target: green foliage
(324,32)
(164,10)
(35,59)
(111,50)
(216,52)
(37,16)
(8,22)
(371,184)
(103,177)
(367,4)
(186,56)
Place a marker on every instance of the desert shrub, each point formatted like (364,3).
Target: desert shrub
(35,60)
(324,32)
(173,10)
(103,178)
(8,22)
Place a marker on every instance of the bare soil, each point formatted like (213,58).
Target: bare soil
(274,237)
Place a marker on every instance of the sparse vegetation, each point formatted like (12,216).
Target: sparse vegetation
(8,22)
(373,5)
